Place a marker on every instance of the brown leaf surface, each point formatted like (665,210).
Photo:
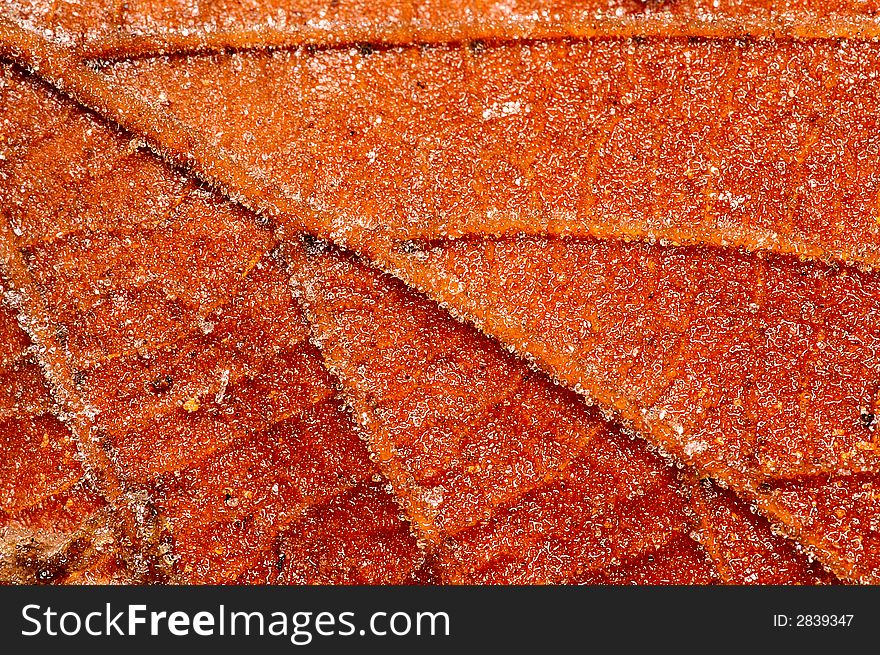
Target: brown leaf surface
(736,538)
(765,145)
(497,466)
(212,480)
(851,558)
(753,366)
(53,526)
(112,28)
(683,347)
(191,405)
(206,402)
(280,149)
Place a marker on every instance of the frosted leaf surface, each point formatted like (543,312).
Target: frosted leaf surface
(53,526)
(760,372)
(224,533)
(752,366)
(762,144)
(681,561)
(108,27)
(219,431)
(327,544)
(94,220)
(513,479)
(745,552)
(36,443)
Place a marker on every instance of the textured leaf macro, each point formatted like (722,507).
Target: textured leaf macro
(439,293)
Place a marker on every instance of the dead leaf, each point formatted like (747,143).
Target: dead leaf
(704,142)
(494,464)
(208,479)
(240,481)
(110,28)
(693,349)
(53,526)
(216,482)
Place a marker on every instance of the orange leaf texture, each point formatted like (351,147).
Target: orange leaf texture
(55,527)
(111,28)
(439,293)
(663,140)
